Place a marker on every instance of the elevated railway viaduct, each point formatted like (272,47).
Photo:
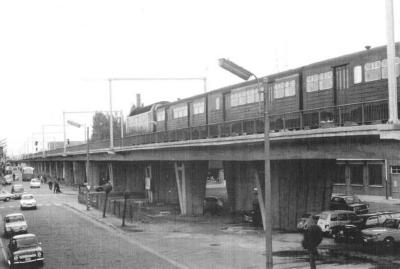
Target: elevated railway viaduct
(306,167)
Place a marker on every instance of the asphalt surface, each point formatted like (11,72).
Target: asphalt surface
(71,240)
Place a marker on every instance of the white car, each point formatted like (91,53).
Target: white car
(27,201)
(15,223)
(35,183)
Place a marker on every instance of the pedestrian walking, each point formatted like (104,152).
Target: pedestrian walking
(55,187)
(50,184)
(13,177)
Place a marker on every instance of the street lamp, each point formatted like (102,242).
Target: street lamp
(110,80)
(86,112)
(245,75)
(78,125)
(43,129)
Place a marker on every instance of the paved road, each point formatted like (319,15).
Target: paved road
(71,240)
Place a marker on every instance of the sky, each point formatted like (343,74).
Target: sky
(58,55)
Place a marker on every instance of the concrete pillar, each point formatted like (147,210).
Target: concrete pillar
(365,178)
(68,174)
(347,179)
(191,180)
(79,173)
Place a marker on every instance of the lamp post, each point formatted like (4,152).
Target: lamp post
(110,80)
(43,131)
(245,75)
(85,112)
(86,129)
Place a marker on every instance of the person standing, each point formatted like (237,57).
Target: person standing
(149,193)
(50,184)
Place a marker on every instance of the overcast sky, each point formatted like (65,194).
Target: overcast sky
(57,55)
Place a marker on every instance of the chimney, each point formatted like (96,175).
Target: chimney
(138,104)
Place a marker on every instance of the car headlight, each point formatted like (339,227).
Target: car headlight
(39,254)
(8,229)
(15,258)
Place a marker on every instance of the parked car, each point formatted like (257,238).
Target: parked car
(35,183)
(330,219)
(24,249)
(387,236)
(5,196)
(352,232)
(17,190)
(27,201)
(348,202)
(14,223)
(306,221)
(213,205)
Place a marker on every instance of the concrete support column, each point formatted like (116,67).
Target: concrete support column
(79,173)
(51,173)
(366,178)
(56,170)
(191,180)
(347,179)
(68,174)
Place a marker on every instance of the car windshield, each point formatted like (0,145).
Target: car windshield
(305,216)
(352,200)
(17,218)
(35,180)
(26,242)
(324,216)
(27,197)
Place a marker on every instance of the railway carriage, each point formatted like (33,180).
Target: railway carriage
(351,89)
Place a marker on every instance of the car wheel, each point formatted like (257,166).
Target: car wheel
(7,199)
(388,243)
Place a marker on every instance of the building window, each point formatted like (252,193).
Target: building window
(357,73)
(244,96)
(180,112)
(217,103)
(284,89)
(375,174)
(395,169)
(340,177)
(356,174)
(161,115)
(198,108)
(321,81)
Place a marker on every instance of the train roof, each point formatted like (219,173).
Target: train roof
(144,109)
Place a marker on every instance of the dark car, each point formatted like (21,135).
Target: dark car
(24,249)
(348,202)
(352,232)
(17,190)
(307,220)
(213,205)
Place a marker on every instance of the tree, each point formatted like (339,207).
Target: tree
(101,126)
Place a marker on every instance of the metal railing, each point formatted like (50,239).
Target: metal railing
(371,112)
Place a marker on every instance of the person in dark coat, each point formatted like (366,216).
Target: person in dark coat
(50,184)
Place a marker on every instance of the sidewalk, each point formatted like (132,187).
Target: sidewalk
(205,243)
(379,199)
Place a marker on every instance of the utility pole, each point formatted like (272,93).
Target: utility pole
(392,83)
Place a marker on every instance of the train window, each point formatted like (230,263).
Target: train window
(357,74)
(312,83)
(384,68)
(372,71)
(161,115)
(320,81)
(325,80)
(198,107)
(217,103)
(243,97)
(284,89)
(180,112)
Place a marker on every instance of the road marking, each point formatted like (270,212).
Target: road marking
(123,236)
